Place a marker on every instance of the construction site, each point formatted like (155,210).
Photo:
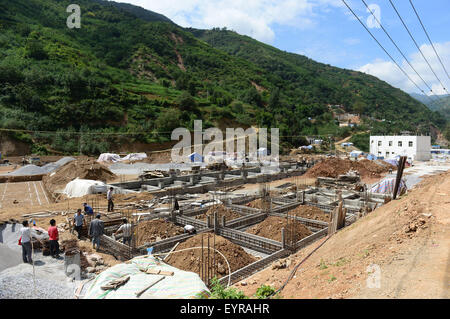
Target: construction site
(253,225)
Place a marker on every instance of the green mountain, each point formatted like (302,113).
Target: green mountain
(129,75)
(441,103)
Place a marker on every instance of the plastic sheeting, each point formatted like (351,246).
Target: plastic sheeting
(108,157)
(82,187)
(134,157)
(182,285)
(114,158)
(386,186)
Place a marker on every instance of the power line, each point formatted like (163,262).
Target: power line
(385,51)
(399,50)
(431,42)
(418,47)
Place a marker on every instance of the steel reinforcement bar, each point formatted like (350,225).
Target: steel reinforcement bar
(115,248)
(184,220)
(305,221)
(310,239)
(246,220)
(195,211)
(244,199)
(253,268)
(168,243)
(243,210)
(258,243)
(285,208)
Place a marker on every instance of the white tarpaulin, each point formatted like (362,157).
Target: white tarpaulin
(134,157)
(108,157)
(82,187)
(114,158)
(181,285)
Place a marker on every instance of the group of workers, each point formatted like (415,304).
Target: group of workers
(95,231)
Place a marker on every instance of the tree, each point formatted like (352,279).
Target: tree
(35,49)
(359,107)
(274,101)
(186,101)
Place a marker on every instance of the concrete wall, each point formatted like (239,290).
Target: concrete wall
(416,147)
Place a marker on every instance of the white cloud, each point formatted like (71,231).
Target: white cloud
(251,17)
(389,72)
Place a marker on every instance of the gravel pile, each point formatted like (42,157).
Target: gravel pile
(9,257)
(17,283)
(50,167)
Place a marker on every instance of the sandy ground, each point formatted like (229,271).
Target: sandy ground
(23,193)
(411,264)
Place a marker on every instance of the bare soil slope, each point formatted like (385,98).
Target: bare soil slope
(408,239)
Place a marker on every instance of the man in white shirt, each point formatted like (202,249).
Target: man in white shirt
(109,197)
(25,240)
(125,229)
(189,229)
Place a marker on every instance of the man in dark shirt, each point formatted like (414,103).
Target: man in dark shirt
(96,229)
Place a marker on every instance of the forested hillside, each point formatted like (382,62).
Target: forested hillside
(131,75)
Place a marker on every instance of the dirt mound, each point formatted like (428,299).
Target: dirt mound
(190,260)
(221,211)
(154,230)
(271,228)
(83,169)
(258,203)
(310,212)
(333,167)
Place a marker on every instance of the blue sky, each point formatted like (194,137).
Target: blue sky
(326,31)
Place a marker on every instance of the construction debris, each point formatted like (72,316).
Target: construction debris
(334,166)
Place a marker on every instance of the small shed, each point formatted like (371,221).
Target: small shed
(195,157)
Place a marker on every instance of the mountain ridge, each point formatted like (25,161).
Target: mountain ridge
(121,74)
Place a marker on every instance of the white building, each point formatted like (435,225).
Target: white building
(415,147)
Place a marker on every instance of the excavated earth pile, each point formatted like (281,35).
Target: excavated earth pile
(155,230)
(221,211)
(191,260)
(271,228)
(83,169)
(258,203)
(310,212)
(333,167)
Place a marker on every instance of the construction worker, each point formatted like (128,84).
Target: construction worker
(96,229)
(53,237)
(125,229)
(88,209)
(109,197)
(25,241)
(78,221)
